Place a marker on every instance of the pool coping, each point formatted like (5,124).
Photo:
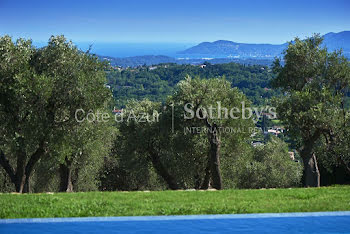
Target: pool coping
(173,217)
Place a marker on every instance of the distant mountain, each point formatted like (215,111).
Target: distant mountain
(228,51)
(234,49)
(244,50)
(337,41)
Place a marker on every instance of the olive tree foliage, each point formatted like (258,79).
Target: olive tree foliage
(182,159)
(218,111)
(145,146)
(81,155)
(41,88)
(315,85)
(267,166)
(334,151)
(75,162)
(139,149)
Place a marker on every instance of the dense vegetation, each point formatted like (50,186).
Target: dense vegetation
(55,134)
(315,104)
(41,89)
(158,82)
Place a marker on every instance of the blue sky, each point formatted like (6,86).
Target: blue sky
(173,21)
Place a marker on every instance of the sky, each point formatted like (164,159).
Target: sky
(177,21)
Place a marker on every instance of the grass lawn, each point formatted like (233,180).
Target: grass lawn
(174,202)
(276,121)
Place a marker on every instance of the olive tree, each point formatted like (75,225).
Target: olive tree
(213,109)
(41,89)
(181,157)
(314,83)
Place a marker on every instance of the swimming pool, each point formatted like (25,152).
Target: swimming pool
(313,222)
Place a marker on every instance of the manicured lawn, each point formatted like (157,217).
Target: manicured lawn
(174,202)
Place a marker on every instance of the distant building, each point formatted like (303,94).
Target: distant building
(275,130)
(268,115)
(257,143)
(292,156)
(117,111)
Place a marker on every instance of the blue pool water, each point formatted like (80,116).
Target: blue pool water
(319,222)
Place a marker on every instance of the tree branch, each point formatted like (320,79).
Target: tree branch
(34,159)
(7,167)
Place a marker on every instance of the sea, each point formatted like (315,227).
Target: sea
(125,49)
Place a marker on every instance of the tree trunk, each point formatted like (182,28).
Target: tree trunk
(33,160)
(65,172)
(21,177)
(197,181)
(311,174)
(20,172)
(26,186)
(205,183)
(214,155)
(162,171)
(19,183)
(17,177)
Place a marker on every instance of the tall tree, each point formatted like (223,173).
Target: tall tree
(314,83)
(141,138)
(215,108)
(185,159)
(41,89)
(88,141)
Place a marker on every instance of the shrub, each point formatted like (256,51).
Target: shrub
(269,166)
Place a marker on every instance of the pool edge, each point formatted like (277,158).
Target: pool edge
(174,217)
